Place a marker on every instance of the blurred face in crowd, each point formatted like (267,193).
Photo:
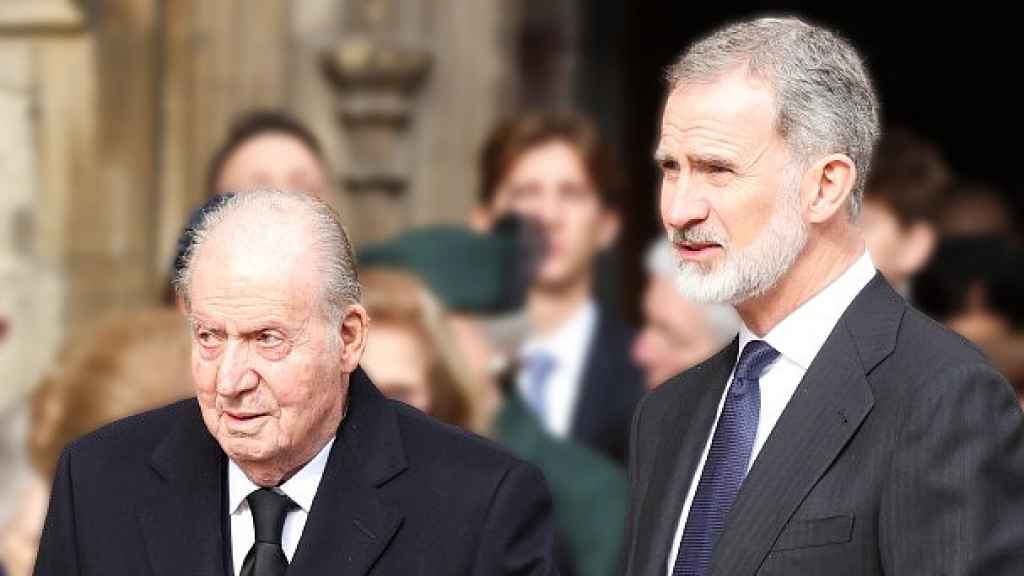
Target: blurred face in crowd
(398,361)
(729,200)
(275,160)
(898,250)
(549,183)
(675,334)
(270,368)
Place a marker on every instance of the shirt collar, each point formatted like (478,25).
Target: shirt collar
(301,487)
(801,335)
(570,339)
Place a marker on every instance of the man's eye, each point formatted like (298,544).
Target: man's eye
(668,166)
(206,338)
(269,339)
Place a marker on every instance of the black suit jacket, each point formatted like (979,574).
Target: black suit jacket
(611,388)
(401,494)
(901,452)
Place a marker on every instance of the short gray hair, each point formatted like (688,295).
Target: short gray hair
(825,101)
(328,237)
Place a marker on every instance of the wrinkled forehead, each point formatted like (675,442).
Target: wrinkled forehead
(736,97)
(252,259)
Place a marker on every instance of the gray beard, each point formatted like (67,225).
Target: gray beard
(748,273)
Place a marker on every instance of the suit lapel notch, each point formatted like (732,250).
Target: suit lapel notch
(349,526)
(181,523)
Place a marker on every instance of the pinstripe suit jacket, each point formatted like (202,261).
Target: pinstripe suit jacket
(901,452)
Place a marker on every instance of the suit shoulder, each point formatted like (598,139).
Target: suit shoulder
(929,359)
(659,400)
(935,344)
(138,434)
(441,444)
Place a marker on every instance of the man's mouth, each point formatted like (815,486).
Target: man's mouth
(243,416)
(688,250)
(695,246)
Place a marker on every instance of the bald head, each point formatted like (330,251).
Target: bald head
(267,231)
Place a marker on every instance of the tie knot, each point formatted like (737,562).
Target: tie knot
(756,356)
(538,366)
(269,510)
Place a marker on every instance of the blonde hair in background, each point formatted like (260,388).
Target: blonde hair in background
(124,364)
(397,298)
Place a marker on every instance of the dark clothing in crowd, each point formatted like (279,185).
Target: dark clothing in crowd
(971,271)
(589,491)
(611,387)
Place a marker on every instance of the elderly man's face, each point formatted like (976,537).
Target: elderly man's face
(675,334)
(270,370)
(729,200)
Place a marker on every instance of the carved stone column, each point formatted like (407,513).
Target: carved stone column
(376,76)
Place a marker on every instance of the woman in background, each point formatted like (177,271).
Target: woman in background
(127,363)
(410,352)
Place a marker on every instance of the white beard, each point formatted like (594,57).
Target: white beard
(744,274)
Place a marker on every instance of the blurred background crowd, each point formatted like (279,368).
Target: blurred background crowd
(492,162)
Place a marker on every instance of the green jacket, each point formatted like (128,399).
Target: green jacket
(590,493)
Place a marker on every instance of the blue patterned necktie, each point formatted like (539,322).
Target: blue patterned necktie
(727,462)
(537,369)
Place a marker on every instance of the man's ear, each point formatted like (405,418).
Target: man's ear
(827,186)
(353,330)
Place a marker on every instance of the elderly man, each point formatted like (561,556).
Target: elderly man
(677,333)
(843,432)
(288,459)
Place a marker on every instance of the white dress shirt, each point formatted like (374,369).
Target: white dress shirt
(798,338)
(301,488)
(568,345)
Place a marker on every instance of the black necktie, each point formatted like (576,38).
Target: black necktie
(266,557)
(726,464)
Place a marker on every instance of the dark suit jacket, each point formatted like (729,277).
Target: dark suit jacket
(901,452)
(612,385)
(401,494)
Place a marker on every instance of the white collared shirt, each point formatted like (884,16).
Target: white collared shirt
(568,346)
(301,488)
(798,338)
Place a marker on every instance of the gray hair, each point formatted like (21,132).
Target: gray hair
(328,237)
(824,99)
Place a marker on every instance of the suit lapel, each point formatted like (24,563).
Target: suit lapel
(682,435)
(824,413)
(181,523)
(349,527)
(598,373)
